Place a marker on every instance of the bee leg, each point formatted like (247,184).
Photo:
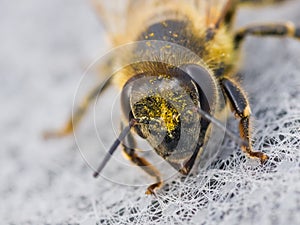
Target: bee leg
(281,30)
(229,12)
(241,108)
(130,153)
(78,113)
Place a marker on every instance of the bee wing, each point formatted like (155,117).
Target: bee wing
(212,9)
(112,14)
(117,15)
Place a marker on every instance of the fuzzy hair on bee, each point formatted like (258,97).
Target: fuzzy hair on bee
(182,22)
(174,94)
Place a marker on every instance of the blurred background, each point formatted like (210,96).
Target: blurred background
(44,48)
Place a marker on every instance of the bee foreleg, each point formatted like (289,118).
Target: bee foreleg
(240,106)
(282,29)
(79,112)
(130,153)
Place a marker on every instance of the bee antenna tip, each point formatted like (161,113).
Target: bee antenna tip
(96,174)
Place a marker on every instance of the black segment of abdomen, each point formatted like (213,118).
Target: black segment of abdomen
(174,31)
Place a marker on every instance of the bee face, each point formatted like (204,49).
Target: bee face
(165,104)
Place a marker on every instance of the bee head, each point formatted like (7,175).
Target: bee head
(165,104)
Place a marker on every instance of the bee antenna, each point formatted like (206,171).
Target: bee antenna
(115,145)
(219,124)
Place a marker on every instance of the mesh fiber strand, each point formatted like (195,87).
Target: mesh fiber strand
(43,48)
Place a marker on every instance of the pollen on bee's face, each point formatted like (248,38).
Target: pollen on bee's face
(162,100)
(158,111)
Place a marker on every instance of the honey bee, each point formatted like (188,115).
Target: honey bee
(165,98)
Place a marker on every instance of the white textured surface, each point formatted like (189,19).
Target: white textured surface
(44,47)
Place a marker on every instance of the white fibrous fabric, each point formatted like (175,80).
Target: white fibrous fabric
(44,49)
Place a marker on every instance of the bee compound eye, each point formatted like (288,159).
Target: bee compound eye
(203,79)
